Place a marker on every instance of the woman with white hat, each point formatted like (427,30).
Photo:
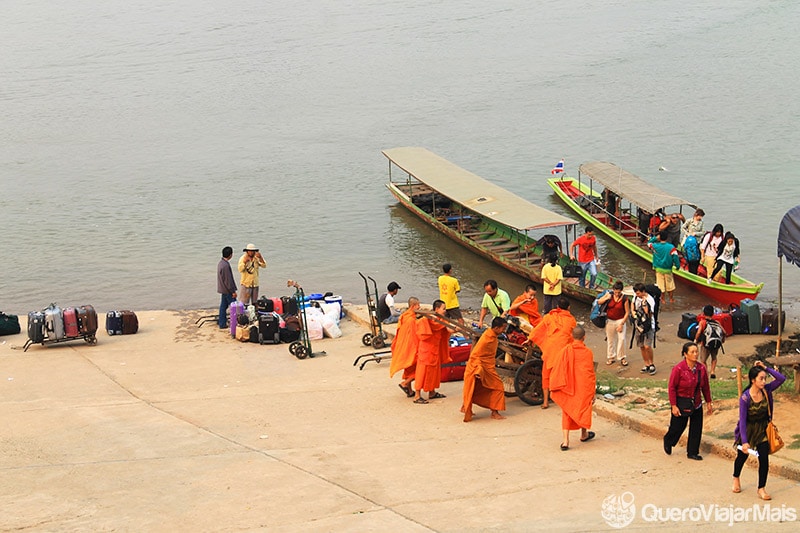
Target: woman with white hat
(249,264)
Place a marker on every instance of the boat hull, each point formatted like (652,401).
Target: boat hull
(532,273)
(719,292)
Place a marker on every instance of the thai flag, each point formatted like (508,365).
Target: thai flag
(559,168)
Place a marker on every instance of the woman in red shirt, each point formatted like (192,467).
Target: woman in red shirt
(686,382)
(618,309)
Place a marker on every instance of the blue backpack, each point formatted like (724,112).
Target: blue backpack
(691,250)
(598,314)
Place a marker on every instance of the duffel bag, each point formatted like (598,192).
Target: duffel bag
(9,324)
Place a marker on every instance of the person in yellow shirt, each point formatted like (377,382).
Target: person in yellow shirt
(448,293)
(551,283)
(249,264)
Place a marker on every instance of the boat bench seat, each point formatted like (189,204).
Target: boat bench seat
(491,241)
(504,246)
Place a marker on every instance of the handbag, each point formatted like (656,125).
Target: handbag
(774,438)
(686,405)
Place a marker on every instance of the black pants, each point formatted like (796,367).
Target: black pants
(728,270)
(678,423)
(763,463)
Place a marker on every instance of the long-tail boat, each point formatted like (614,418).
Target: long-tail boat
(626,225)
(489,220)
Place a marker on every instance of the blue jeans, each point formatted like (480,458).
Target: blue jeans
(591,266)
(224,303)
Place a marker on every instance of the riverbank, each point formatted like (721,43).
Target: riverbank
(182,428)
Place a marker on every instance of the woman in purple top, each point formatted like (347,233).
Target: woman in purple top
(688,379)
(755,407)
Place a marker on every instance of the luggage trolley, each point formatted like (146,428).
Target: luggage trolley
(85,318)
(376,338)
(301,348)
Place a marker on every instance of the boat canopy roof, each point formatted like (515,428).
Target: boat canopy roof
(472,191)
(630,186)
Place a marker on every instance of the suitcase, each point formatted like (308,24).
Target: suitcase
(289,305)
(236,308)
(36,327)
(769,322)
(87,320)
(130,322)
(454,370)
(71,322)
(269,331)
(753,315)
(265,305)
(741,323)
(277,305)
(54,323)
(687,319)
(114,323)
(726,321)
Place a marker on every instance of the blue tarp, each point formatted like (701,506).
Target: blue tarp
(789,236)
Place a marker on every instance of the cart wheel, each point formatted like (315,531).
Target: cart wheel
(301,352)
(294,346)
(91,339)
(366,340)
(528,382)
(378,342)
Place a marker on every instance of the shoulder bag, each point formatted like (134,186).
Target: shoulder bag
(775,440)
(686,405)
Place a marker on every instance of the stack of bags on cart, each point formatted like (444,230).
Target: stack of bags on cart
(275,320)
(54,324)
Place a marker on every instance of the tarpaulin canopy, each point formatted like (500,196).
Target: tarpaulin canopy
(789,236)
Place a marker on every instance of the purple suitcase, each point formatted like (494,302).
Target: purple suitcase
(236,308)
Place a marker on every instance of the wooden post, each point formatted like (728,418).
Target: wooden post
(739,380)
(780,312)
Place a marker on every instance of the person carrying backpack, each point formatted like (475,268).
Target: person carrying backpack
(644,326)
(709,337)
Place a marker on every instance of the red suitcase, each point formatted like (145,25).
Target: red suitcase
(726,321)
(454,370)
(277,305)
(70,322)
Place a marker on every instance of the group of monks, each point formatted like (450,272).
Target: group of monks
(421,346)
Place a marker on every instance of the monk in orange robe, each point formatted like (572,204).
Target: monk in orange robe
(433,350)
(526,308)
(482,385)
(552,334)
(572,383)
(404,347)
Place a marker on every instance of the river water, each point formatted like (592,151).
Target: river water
(139,138)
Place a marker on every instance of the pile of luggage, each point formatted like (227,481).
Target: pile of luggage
(748,318)
(270,321)
(54,324)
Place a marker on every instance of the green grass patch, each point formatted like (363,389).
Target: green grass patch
(796,443)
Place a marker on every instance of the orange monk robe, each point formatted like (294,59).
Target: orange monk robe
(572,385)
(552,334)
(404,346)
(433,350)
(487,391)
(529,310)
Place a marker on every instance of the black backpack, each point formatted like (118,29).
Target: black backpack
(713,336)
(655,292)
(641,321)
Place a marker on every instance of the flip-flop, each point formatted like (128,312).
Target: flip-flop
(589,436)
(564,447)
(623,362)
(436,396)
(420,400)
(610,362)
(405,389)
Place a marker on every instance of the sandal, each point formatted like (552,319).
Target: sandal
(589,436)
(406,389)
(609,362)
(564,447)
(623,362)
(420,400)
(436,396)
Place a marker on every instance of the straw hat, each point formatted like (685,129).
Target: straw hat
(250,248)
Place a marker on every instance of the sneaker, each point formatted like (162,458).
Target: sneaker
(645,369)
(652,370)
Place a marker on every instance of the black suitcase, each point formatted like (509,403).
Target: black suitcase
(114,323)
(268,328)
(290,306)
(687,319)
(741,322)
(265,305)
(769,322)
(36,327)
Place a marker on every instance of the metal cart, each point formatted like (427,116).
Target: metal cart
(301,348)
(377,337)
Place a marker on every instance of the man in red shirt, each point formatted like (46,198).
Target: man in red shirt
(587,256)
